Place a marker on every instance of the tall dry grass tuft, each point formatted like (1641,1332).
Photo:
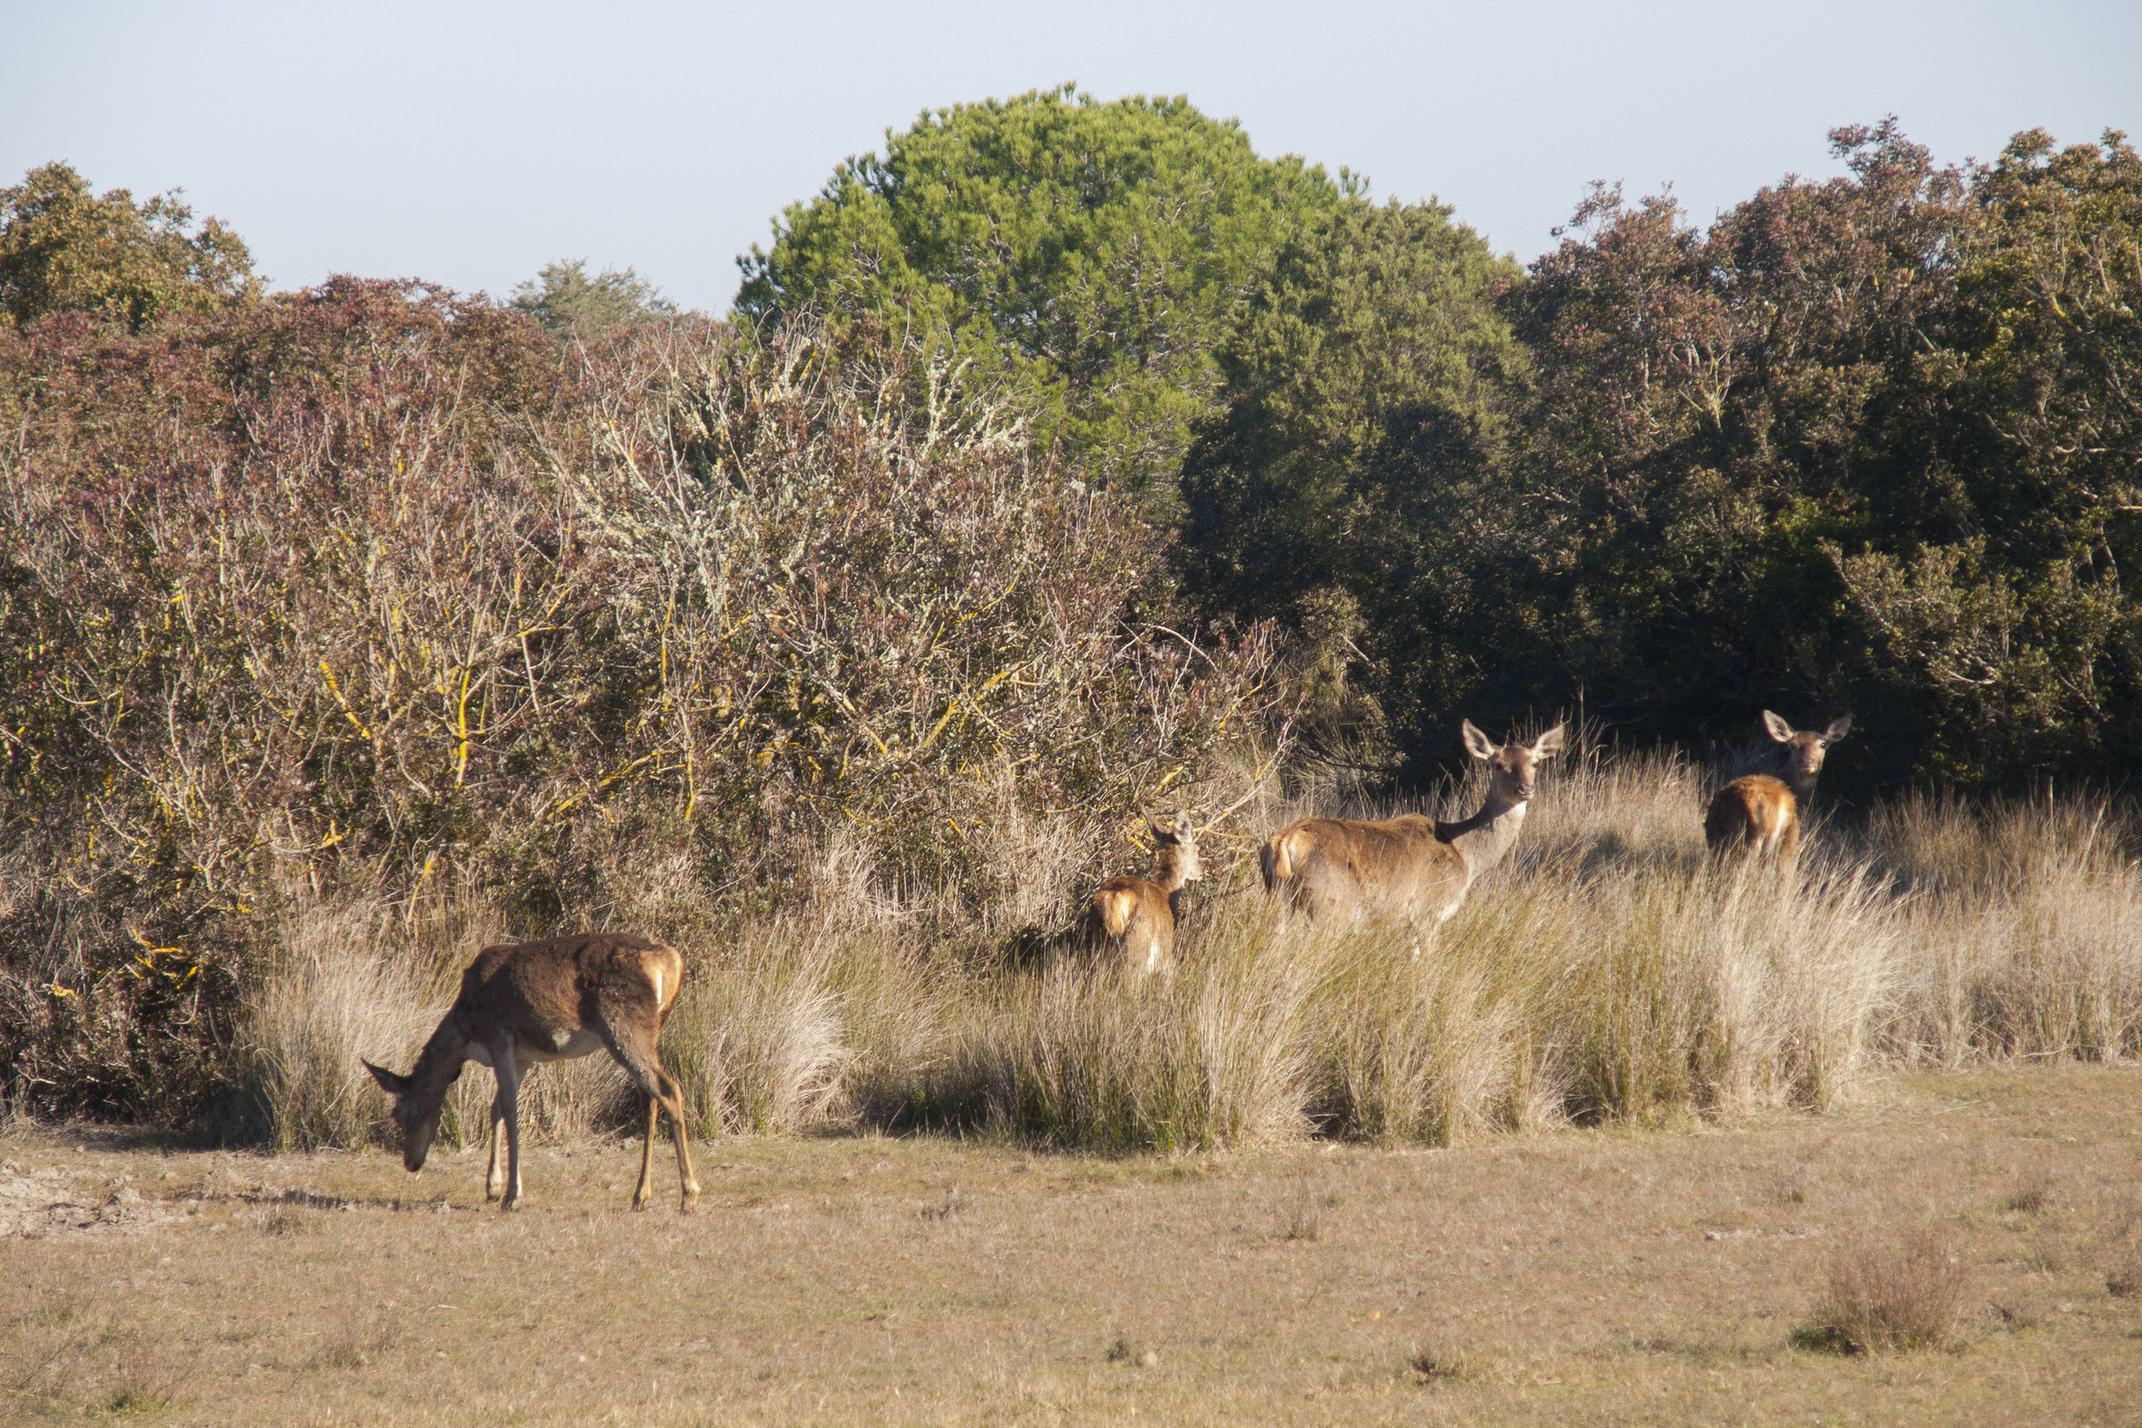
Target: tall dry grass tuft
(339,989)
(1428,1048)
(1951,848)
(757,1038)
(2026,927)
(1721,992)
(1084,1056)
(901,1002)
(1615,814)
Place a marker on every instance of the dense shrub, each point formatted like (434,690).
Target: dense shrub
(365,585)
(1853,446)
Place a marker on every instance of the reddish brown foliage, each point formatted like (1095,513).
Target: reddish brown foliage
(368,580)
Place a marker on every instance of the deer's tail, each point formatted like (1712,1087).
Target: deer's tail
(1110,912)
(1279,858)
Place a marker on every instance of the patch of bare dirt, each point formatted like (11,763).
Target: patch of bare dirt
(35,1203)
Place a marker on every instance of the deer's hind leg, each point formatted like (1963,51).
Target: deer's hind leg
(645,1190)
(506,1109)
(494,1176)
(636,1054)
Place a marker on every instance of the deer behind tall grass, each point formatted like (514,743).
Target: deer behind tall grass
(1758,815)
(1134,918)
(1412,865)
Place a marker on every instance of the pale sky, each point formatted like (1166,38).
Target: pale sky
(470,144)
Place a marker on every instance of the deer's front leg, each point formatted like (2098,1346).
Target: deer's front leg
(508,1109)
(494,1179)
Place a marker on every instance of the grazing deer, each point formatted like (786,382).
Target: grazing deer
(1135,917)
(1413,865)
(1758,815)
(549,1001)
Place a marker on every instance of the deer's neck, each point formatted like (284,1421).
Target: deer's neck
(439,1063)
(1801,784)
(1168,871)
(1484,839)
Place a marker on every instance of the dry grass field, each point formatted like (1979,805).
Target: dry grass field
(1605,974)
(1672,1274)
(1631,1138)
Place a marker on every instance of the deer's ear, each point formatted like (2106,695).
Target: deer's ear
(1547,745)
(1479,745)
(1777,728)
(1837,730)
(1162,829)
(392,1084)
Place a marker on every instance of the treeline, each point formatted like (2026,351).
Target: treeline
(1055,464)
(1863,443)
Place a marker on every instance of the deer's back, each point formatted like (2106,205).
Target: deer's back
(535,989)
(1753,809)
(1338,864)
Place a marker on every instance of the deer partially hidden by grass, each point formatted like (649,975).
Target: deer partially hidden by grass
(1412,865)
(524,1004)
(1758,815)
(1134,918)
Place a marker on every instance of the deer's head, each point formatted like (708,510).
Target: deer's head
(1177,839)
(415,1116)
(1804,750)
(1514,767)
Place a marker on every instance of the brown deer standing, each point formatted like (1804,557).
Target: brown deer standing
(1412,865)
(1758,815)
(524,1004)
(1134,918)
